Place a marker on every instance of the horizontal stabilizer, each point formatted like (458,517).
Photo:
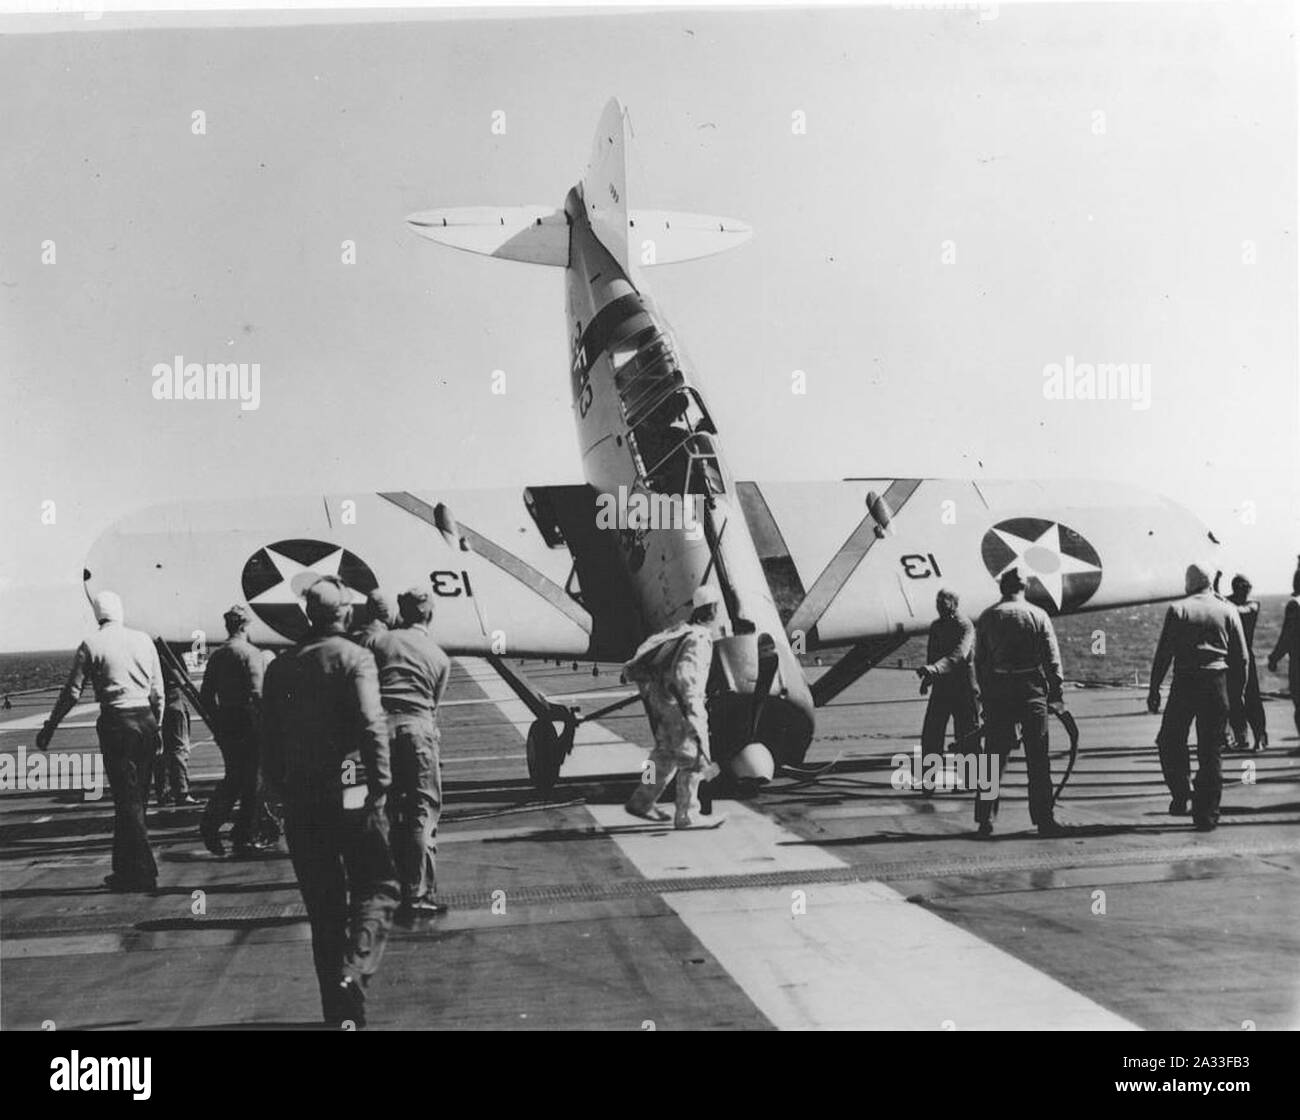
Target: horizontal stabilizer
(669,236)
(540,234)
(534,234)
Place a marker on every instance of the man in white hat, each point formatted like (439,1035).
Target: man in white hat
(671,669)
(123,666)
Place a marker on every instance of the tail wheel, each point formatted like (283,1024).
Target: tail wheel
(546,750)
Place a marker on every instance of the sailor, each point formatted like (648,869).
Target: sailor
(1251,712)
(326,752)
(123,666)
(381,616)
(1288,645)
(671,669)
(1204,640)
(413,675)
(231,696)
(1018,665)
(949,676)
(171,767)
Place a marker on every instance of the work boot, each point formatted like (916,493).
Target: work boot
(653,813)
(1205,824)
(1053,829)
(984,830)
(350,1005)
(212,840)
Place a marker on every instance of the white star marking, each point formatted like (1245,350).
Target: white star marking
(1044,559)
(295,578)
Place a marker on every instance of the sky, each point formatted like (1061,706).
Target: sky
(973,200)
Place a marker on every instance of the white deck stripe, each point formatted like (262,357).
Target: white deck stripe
(858,956)
(861,957)
(596,750)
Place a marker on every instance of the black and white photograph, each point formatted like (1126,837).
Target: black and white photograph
(628,518)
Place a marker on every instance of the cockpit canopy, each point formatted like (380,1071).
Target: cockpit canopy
(674,448)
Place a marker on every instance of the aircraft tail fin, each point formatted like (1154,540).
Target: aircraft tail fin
(540,234)
(604,185)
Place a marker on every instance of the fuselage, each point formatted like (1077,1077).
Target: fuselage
(650,448)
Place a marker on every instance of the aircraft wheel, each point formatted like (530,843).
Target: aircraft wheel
(545,752)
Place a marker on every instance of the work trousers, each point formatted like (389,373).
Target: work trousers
(237,740)
(349,887)
(1294,681)
(681,748)
(171,772)
(958,703)
(1011,702)
(1201,696)
(1249,712)
(415,803)
(129,743)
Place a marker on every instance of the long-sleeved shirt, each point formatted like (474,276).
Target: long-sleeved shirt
(1015,638)
(370,633)
(123,666)
(1202,633)
(949,652)
(413,671)
(1288,642)
(233,677)
(173,697)
(672,668)
(1249,612)
(320,713)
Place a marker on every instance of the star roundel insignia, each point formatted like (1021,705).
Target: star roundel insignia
(275,578)
(1063,569)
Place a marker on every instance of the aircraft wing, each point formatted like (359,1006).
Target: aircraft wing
(527,573)
(499,561)
(838,574)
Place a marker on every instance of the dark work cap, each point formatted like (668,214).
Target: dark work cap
(415,604)
(1013,579)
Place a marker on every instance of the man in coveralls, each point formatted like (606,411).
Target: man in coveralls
(671,669)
